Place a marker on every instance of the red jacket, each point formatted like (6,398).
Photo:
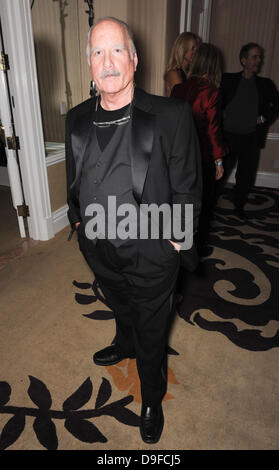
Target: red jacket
(205,102)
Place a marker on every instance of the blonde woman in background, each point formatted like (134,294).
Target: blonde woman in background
(181,56)
(201,91)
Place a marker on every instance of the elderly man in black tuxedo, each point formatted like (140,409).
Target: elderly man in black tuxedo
(141,149)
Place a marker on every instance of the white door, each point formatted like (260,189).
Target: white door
(7,121)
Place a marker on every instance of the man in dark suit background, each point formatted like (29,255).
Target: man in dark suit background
(250,103)
(140,149)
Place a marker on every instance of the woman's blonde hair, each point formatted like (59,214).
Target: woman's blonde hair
(207,62)
(181,45)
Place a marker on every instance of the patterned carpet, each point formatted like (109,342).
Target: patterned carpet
(239,278)
(52,396)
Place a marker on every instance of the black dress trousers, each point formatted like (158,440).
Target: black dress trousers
(244,150)
(138,280)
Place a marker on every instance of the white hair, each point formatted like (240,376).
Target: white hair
(123,25)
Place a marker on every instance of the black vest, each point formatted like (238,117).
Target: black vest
(107,173)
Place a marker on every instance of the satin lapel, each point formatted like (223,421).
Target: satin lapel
(142,142)
(80,137)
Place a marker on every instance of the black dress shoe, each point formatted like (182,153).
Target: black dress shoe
(151,424)
(109,356)
(240,214)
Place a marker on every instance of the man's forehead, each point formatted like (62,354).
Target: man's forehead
(255,52)
(107,29)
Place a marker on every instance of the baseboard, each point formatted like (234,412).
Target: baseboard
(55,153)
(263,179)
(60,219)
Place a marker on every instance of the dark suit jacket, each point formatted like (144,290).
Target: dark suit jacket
(267,95)
(165,160)
(205,102)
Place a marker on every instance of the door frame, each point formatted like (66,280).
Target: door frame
(23,82)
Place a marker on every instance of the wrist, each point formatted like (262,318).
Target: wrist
(218,162)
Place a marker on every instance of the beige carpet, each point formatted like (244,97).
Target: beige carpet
(220,395)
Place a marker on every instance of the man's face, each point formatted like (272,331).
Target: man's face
(112,67)
(253,62)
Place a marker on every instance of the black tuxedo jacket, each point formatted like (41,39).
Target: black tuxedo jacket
(165,160)
(267,94)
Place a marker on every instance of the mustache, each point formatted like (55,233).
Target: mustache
(109,73)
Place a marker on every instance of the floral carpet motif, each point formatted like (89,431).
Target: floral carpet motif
(125,378)
(77,421)
(235,291)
